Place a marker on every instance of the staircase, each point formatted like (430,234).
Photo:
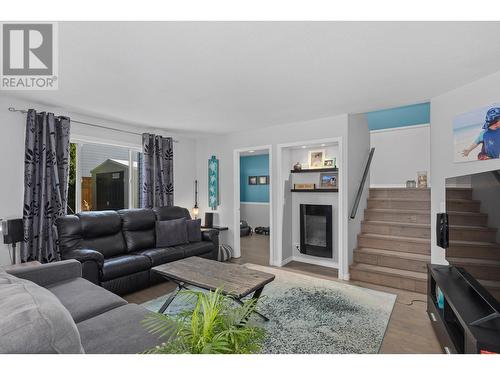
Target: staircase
(394,243)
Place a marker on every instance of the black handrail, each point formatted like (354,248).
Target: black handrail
(362,184)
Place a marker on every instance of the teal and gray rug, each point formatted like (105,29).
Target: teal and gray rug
(312,315)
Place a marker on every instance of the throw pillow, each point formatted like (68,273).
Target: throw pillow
(194,230)
(34,320)
(171,232)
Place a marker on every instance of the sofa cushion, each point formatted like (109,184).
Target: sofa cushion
(194,230)
(124,265)
(69,233)
(138,226)
(171,213)
(118,331)
(101,231)
(84,299)
(196,248)
(33,320)
(171,233)
(163,255)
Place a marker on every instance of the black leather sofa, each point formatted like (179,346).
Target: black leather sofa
(117,249)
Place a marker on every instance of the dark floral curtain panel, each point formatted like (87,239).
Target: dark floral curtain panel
(157,171)
(46,168)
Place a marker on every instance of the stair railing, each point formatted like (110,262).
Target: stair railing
(362,184)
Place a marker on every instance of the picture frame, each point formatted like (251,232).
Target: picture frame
(252,180)
(316,158)
(329,163)
(263,180)
(304,186)
(328,180)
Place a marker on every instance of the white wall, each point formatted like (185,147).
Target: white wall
(12,155)
(256,214)
(399,154)
(223,146)
(358,150)
(475,95)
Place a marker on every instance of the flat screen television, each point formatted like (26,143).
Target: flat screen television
(469,230)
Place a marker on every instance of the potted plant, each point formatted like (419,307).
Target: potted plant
(214,326)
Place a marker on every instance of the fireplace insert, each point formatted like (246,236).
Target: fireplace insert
(316,230)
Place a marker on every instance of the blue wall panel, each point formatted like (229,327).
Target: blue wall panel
(255,165)
(398,117)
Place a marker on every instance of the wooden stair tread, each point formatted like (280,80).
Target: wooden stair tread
(490,284)
(474,261)
(399,211)
(381,199)
(396,238)
(427,226)
(396,254)
(419,276)
(465,213)
(492,245)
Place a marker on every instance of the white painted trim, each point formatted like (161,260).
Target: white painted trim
(236,200)
(256,203)
(107,142)
(315,261)
(286,261)
(343,255)
(400,128)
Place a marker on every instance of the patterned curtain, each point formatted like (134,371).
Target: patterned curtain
(46,170)
(157,171)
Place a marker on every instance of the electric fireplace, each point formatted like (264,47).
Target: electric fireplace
(316,230)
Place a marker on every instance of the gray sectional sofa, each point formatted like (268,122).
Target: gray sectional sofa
(50,308)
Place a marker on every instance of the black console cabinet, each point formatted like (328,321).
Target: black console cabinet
(464,302)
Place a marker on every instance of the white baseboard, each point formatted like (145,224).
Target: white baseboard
(286,261)
(317,262)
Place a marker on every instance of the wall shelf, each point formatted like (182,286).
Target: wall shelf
(315,170)
(335,190)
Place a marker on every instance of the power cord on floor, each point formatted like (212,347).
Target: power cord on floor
(411,302)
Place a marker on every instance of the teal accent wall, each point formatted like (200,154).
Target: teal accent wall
(255,165)
(398,117)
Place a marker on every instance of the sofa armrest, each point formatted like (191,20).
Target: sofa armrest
(49,273)
(212,235)
(92,262)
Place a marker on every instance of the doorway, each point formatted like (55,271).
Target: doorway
(253,205)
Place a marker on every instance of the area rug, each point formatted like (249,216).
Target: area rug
(312,315)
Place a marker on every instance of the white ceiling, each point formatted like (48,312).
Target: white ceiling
(224,77)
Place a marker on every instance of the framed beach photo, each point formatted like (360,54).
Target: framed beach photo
(252,180)
(328,163)
(328,180)
(316,158)
(476,134)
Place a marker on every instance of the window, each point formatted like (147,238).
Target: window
(103,177)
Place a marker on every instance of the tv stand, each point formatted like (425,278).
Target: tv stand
(463,314)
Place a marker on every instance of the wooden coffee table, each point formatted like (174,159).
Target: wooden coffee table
(231,279)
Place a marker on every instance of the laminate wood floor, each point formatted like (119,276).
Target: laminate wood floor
(409,330)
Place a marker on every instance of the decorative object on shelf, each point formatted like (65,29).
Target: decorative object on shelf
(304,186)
(213,182)
(328,180)
(316,158)
(329,162)
(195,211)
(263,180)
(422,180)
(252,180)
(411,184)
(297,166)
